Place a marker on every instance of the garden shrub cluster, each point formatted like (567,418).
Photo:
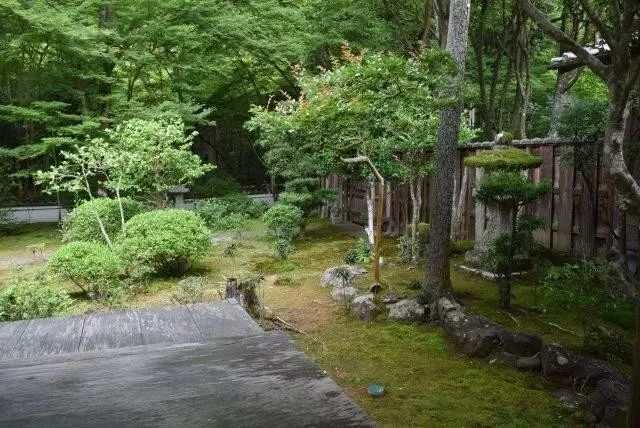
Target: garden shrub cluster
(214,184)
(81,224)
(589,287)
(230,212)
(283,221)
(161,242)
(362,253)
(26,298)
(164,242)
(91,266)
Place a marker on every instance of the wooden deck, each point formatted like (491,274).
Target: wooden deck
(187,366)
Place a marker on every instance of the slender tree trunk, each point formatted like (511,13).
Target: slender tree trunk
(371,198)
(120,207)
(414,208)
(437,277)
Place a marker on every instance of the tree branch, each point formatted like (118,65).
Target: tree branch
(597,22)
(561,37)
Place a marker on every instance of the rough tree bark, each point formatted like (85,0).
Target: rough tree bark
(458,207)
(437,277)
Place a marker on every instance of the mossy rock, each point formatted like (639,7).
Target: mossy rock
(503,158)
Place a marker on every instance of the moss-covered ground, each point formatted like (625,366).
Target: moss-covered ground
(427,382)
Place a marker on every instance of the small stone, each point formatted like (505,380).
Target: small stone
(343,294)
(407,310)
(562,360)
(364,307)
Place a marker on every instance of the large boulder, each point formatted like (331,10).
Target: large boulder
(608,403)
(343,294)
(330,278)
(521,344)
(570,368)
(406,310)
(364,307)
(474,335)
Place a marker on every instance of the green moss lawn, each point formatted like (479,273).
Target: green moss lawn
(428,383)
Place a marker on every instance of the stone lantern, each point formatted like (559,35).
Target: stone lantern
(499,213)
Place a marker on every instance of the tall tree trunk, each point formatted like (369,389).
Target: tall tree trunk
(437,277)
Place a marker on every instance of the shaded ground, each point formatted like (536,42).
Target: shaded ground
(428,383)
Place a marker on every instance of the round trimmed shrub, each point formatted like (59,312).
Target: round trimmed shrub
(81,224)
(283,220)
(165,242)
(91,266)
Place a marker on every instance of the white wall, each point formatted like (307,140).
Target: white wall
(44,214)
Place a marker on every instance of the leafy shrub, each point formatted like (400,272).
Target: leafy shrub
(26,298)
(607,344)
(81,224)
(363,253)
(589,288)
(409,251)
(241,203)
(194,289)
(283,220)
(585,286)
(93,267)
(284,248)
(164,242)
(217,216)
(214,184)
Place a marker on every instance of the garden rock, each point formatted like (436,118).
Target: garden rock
(406,310)
(364,307)
(571,368)
(506,358)
(474,335)
(521,344)
(343,294)
(330,278)
(608,403)
(567,397)
(529,363)
(391,298)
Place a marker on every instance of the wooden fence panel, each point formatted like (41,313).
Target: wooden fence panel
(566,210)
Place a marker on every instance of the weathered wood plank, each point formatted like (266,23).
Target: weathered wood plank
(110,330)
(48,336)
(168,324)
(223,319)
(254,382)
(10,333)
